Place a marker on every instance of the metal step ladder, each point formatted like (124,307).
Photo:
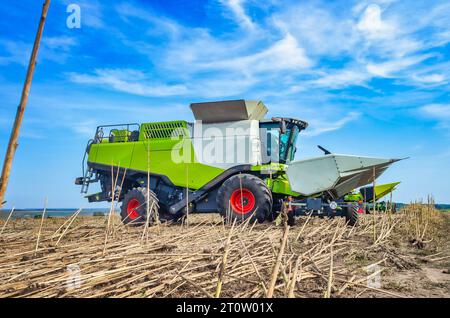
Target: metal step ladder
(87,180)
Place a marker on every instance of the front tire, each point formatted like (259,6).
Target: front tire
(134,206)
(243,196)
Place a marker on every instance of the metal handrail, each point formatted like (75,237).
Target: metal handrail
(99,139)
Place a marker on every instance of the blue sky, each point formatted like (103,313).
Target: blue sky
(371,78)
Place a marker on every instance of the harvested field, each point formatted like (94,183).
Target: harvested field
(404,255)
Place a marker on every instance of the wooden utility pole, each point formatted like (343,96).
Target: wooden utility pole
(12,145)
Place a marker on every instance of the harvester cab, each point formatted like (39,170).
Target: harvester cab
(230,160)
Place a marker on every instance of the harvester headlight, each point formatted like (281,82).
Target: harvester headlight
(333,205)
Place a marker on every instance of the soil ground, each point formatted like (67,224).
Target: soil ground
(321,258)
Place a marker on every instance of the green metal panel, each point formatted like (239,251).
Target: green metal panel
(162,162)
(272,167)
(280,185)
(163,130)
(116,154)
(384,189)
(135,156)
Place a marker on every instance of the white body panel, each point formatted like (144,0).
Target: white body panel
(228,144)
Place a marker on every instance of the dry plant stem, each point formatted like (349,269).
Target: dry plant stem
(224,262)
(187,195)
(149,209)
(253,264)
(196,286)
(132,269)
(330,275)
(69,219)
(276,267)
(145,231)
(40,227)
(303,227)
(113,187)
(6,222)
(293,282)
(68,226)
(120,190)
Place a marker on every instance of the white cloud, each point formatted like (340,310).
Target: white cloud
(56,49)
(321,32)
(391,67)
(282,55)
(430,78)
(85,128)
(341,78)
(128,81)
(319,127)
(59,42)
(373,26)
(437,111)
(291,46)
(236,6)
(16,52)
(158,24)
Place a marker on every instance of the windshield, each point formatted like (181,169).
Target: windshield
(287,144)
(279,147)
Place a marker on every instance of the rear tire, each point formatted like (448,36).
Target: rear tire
(244,195)
(352,214)
(134,206)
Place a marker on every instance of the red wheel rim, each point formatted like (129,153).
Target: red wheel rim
(133,204)
(242,201)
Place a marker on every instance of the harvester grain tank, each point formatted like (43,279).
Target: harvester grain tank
(230,160)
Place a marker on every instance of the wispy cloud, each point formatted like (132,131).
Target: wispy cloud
(15,52)
(434,78)
(128,81)
(373,26)
(320,127)
(392,67)
(341,78)
(437,111)
(284,54)
(56,49)
(238,10)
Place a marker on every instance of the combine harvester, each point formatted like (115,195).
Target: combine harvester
(230,160)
